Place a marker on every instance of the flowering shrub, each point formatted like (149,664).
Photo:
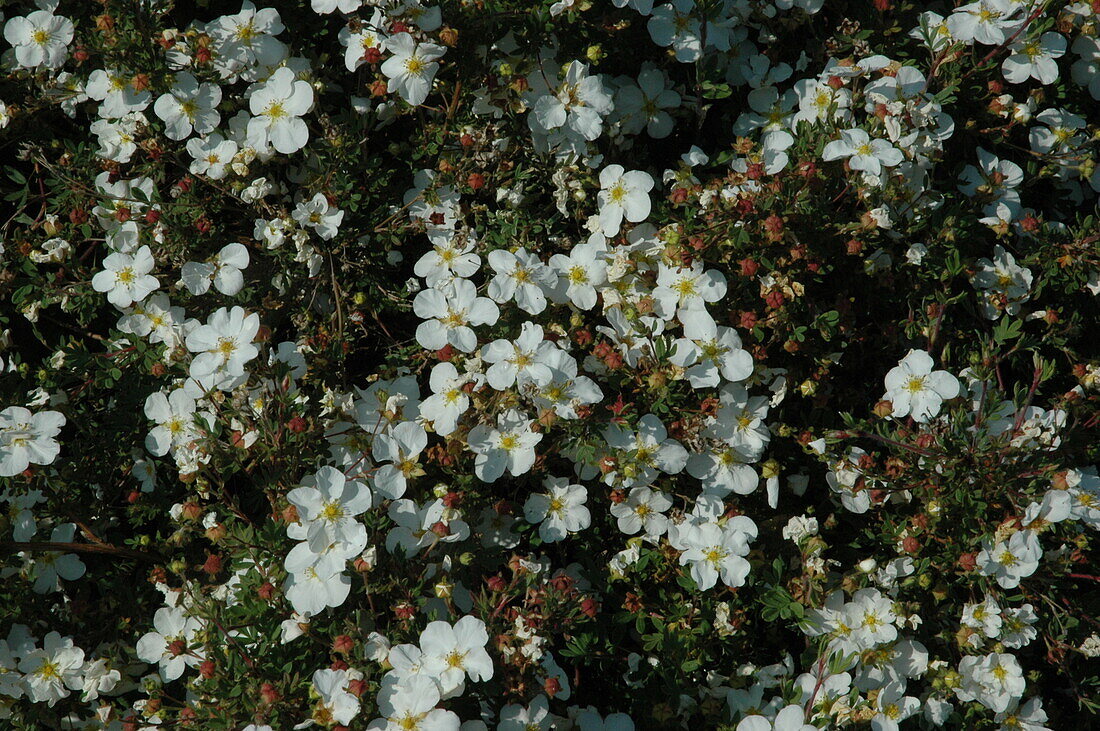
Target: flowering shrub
(594,364)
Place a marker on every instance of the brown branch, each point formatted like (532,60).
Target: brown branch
(104,549)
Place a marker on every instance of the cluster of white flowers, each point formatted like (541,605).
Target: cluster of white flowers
(518,355)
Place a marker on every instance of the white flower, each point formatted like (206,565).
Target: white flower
(449,317)
(448,401)
(717,551)
(521,276)
(212,155)
(984,616)
(1006,283)
(451,653)
(995,680)
(411,68)
(1028,717)
(117,138)
(1034,58)
(535,717)
(559,511)
(689,288)
(623,194)
(708,352)
(224,345)
(1016,626)
(311,590)
(417,526)
(52,566)
(325,7)
(800,527)
(450,258)
(410,704)
(360,43)
(582,270)
(571,114)
(916,390)
(189,107)
(401,445)
(336,702)
(51,672)
(643,106)
(171,645)
(863,153)
(643,509)
(117,92)
(174,416)
(676,24)
(520,362)
(566,391)
(277,108)
(327,505)
(224,270)
(40,39)
(790,718)
(985,21)
(1010,561)
(247,39)
(509,446)
(27,439)
(125,277)
(640,455)
(318,215)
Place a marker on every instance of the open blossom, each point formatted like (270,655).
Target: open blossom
(559,511)
(223,271)
(995,680)
(125,277)
(224,345)
(509,446)
(516,363)
(174,416)
(1005,284)
(581,271)
(862,152)
(449,400)
(521,276)
(715,551)
(212,155)
(327,506)
(410,703)
(641,455)
(450,258)
(623,195)
(710,353)
(1034,58)
(336,702)
(247,38)
(117,92)
(171,643)
(277,108)
(450,318)
(1012,560)
(412,67)
(317,214)
(643,509)
(40,39)
(575,107)
(27,438)
(453,652)
(916,390)
(189,107)
(51,671)
(687,288)
(363,43)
